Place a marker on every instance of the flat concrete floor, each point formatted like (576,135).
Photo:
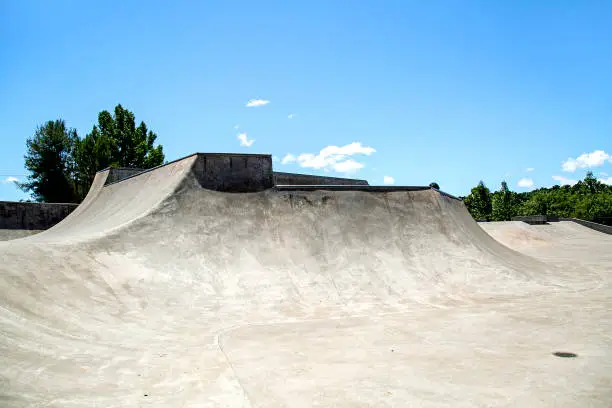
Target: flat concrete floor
(327,299)
(6,234)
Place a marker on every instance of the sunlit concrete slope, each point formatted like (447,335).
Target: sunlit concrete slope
(157,292)
(106,208)
(563,240)
(6,234)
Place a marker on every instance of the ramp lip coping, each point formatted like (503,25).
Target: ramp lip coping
(288,187)
(365,188)
(313,175)
(179,159)
(147,170)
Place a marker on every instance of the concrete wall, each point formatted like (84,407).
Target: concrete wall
(532,219)
(606,229)
(543,219)
(234,172)
(32,216)
(308,180)
(120,173)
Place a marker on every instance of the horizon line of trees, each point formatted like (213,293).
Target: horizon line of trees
(62,166)
(588,199)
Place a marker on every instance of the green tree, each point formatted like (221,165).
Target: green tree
(50,160)
(478,202)
(588,199)
(116,141)
(503,204)
(434,185)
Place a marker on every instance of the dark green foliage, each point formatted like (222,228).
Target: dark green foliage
(63,166)
(503,204)
(589,199)
(434,185)
(50,160)
(116,141)
(479,202)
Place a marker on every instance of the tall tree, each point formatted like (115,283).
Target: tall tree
(478,202)
(49,159)
(116,141)
(503,203)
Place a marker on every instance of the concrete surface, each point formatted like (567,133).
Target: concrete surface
(281,178)
(6,234)
(119,173)
(157,292)
(606,229)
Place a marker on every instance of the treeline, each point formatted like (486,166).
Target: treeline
(62,165)
(588,199)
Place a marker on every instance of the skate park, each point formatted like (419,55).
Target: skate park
(213,281)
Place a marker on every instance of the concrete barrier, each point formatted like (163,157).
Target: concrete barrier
(119,173)
(606,229)
(532,219)
(281,178)
(544,219)
(15,215)
(234,173)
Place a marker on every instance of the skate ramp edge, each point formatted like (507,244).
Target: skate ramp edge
(112,205)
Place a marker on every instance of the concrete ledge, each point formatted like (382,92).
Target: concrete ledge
(545,219)
(120,173)
(281,178)
(228,172)
(367,188)
(15,215)
(606,229)
(532,219)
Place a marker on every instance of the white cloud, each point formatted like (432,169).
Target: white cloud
(388,180)
(607,181)
(564,181)
(336,158)
(10,180)
(529,169)
(289,158)
(347,166)
(253,103)
(244,140)
(586,160)
(525,182)
(291,116)
(274,158)
(236,126)
(603,173)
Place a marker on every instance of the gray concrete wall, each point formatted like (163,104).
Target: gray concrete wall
(32,216)
(308,180)
(120,173)
(543,219)
(234,173)
(532,219)
(606,229)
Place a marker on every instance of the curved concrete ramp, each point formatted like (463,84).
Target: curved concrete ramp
(157,292)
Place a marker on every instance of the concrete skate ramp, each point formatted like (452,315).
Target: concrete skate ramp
(555,240)
(157,292)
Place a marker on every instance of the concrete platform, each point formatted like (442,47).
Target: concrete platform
(158,292)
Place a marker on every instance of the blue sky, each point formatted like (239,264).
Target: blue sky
(411,91)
